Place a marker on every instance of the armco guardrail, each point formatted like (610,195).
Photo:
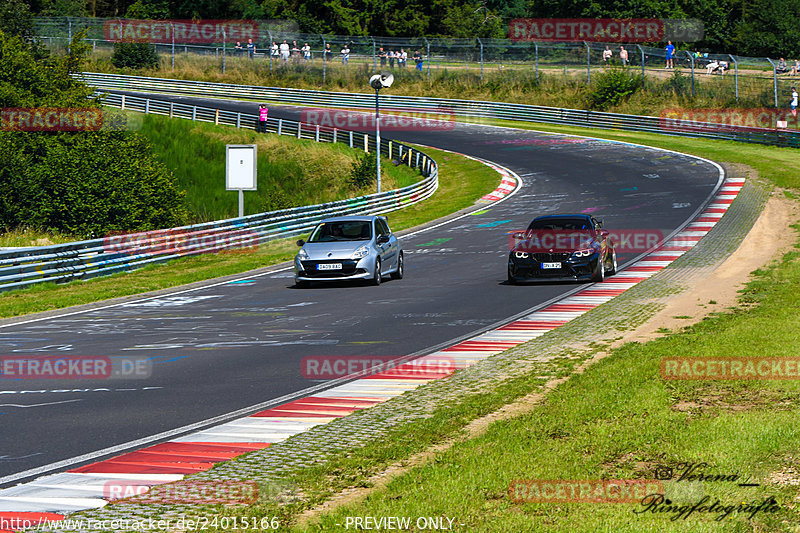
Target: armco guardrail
(462,108)
(98,257)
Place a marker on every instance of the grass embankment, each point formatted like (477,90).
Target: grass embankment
(620,420)
(461,182)
(516,83)
(291,172)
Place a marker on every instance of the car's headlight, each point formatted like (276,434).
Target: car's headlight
(302,255)
(361,252)
(583,253)
(521,255)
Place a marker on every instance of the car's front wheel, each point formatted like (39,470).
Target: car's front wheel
(511,279)
(376,277)
(398,274)
(613,269)
(301,284)
(600,270)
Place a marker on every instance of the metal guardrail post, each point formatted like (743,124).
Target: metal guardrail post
(172,31)
(374,57)
(194,112)
(536,60)
(238,120)
(641,51)
(147,106)
(324,58)
(223,49)
(280,126)
(481,43)
(588,63)
(691,60)
(735,77)
(428,56)
(351,139)
(774,80)
(271,40)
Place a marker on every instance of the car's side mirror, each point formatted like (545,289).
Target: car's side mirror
(300,242)
(382,239)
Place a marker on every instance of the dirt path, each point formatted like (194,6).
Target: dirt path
(767,240)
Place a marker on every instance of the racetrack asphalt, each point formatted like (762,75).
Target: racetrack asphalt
(225,347)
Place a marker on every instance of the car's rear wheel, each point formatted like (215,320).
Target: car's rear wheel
(600,270)
(398,274)
(376,278)
(613,269)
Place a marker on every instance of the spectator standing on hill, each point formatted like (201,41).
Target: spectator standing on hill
(295,52)
(285,51)
(793,101)
(606,55)
(418,60)
(238,48)
(795,66)
(781,68)
(623,56)
(251,48)
(403,58)
(262,118)
(391,58)
(382,56)
(328,52)
(670,49)
(274,51)
(345,54)
(306,53)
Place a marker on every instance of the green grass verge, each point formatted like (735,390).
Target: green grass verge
(461,182)
(619,420)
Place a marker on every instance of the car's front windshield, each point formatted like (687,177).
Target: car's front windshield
(345,230)
(560,224)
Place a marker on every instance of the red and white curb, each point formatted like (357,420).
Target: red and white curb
(51,497)
(507,185)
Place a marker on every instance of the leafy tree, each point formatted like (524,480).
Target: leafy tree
(16,19)
(148,9)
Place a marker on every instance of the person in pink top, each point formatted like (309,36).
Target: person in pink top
(262,118)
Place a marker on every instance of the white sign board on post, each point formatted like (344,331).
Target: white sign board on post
(240,170)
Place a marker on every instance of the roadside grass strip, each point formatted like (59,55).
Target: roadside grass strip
(717,455)
(201,451)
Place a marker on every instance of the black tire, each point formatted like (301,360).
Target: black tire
(376,278)
(511,279)
(398,274)
(613,269)
(301,284)
(600,271)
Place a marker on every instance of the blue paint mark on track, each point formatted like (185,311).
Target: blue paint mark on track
(492,224)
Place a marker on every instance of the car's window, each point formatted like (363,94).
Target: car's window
(345,230)
(560,224)
(383,229)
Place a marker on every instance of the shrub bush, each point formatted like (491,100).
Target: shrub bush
(134,55)
(364,171)
(612,86)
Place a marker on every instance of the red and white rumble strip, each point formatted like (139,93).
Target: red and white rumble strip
(83,488)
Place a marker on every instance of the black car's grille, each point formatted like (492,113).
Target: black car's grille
(544,257)
(348,269)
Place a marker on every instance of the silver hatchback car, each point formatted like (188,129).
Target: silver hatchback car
(343,248)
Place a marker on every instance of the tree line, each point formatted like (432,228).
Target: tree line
(744,27)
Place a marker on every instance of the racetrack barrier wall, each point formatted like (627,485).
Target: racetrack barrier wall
(25,267)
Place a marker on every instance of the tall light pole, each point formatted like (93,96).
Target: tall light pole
(378,82)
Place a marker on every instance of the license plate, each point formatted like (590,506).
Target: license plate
(329,266)
(551,265)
